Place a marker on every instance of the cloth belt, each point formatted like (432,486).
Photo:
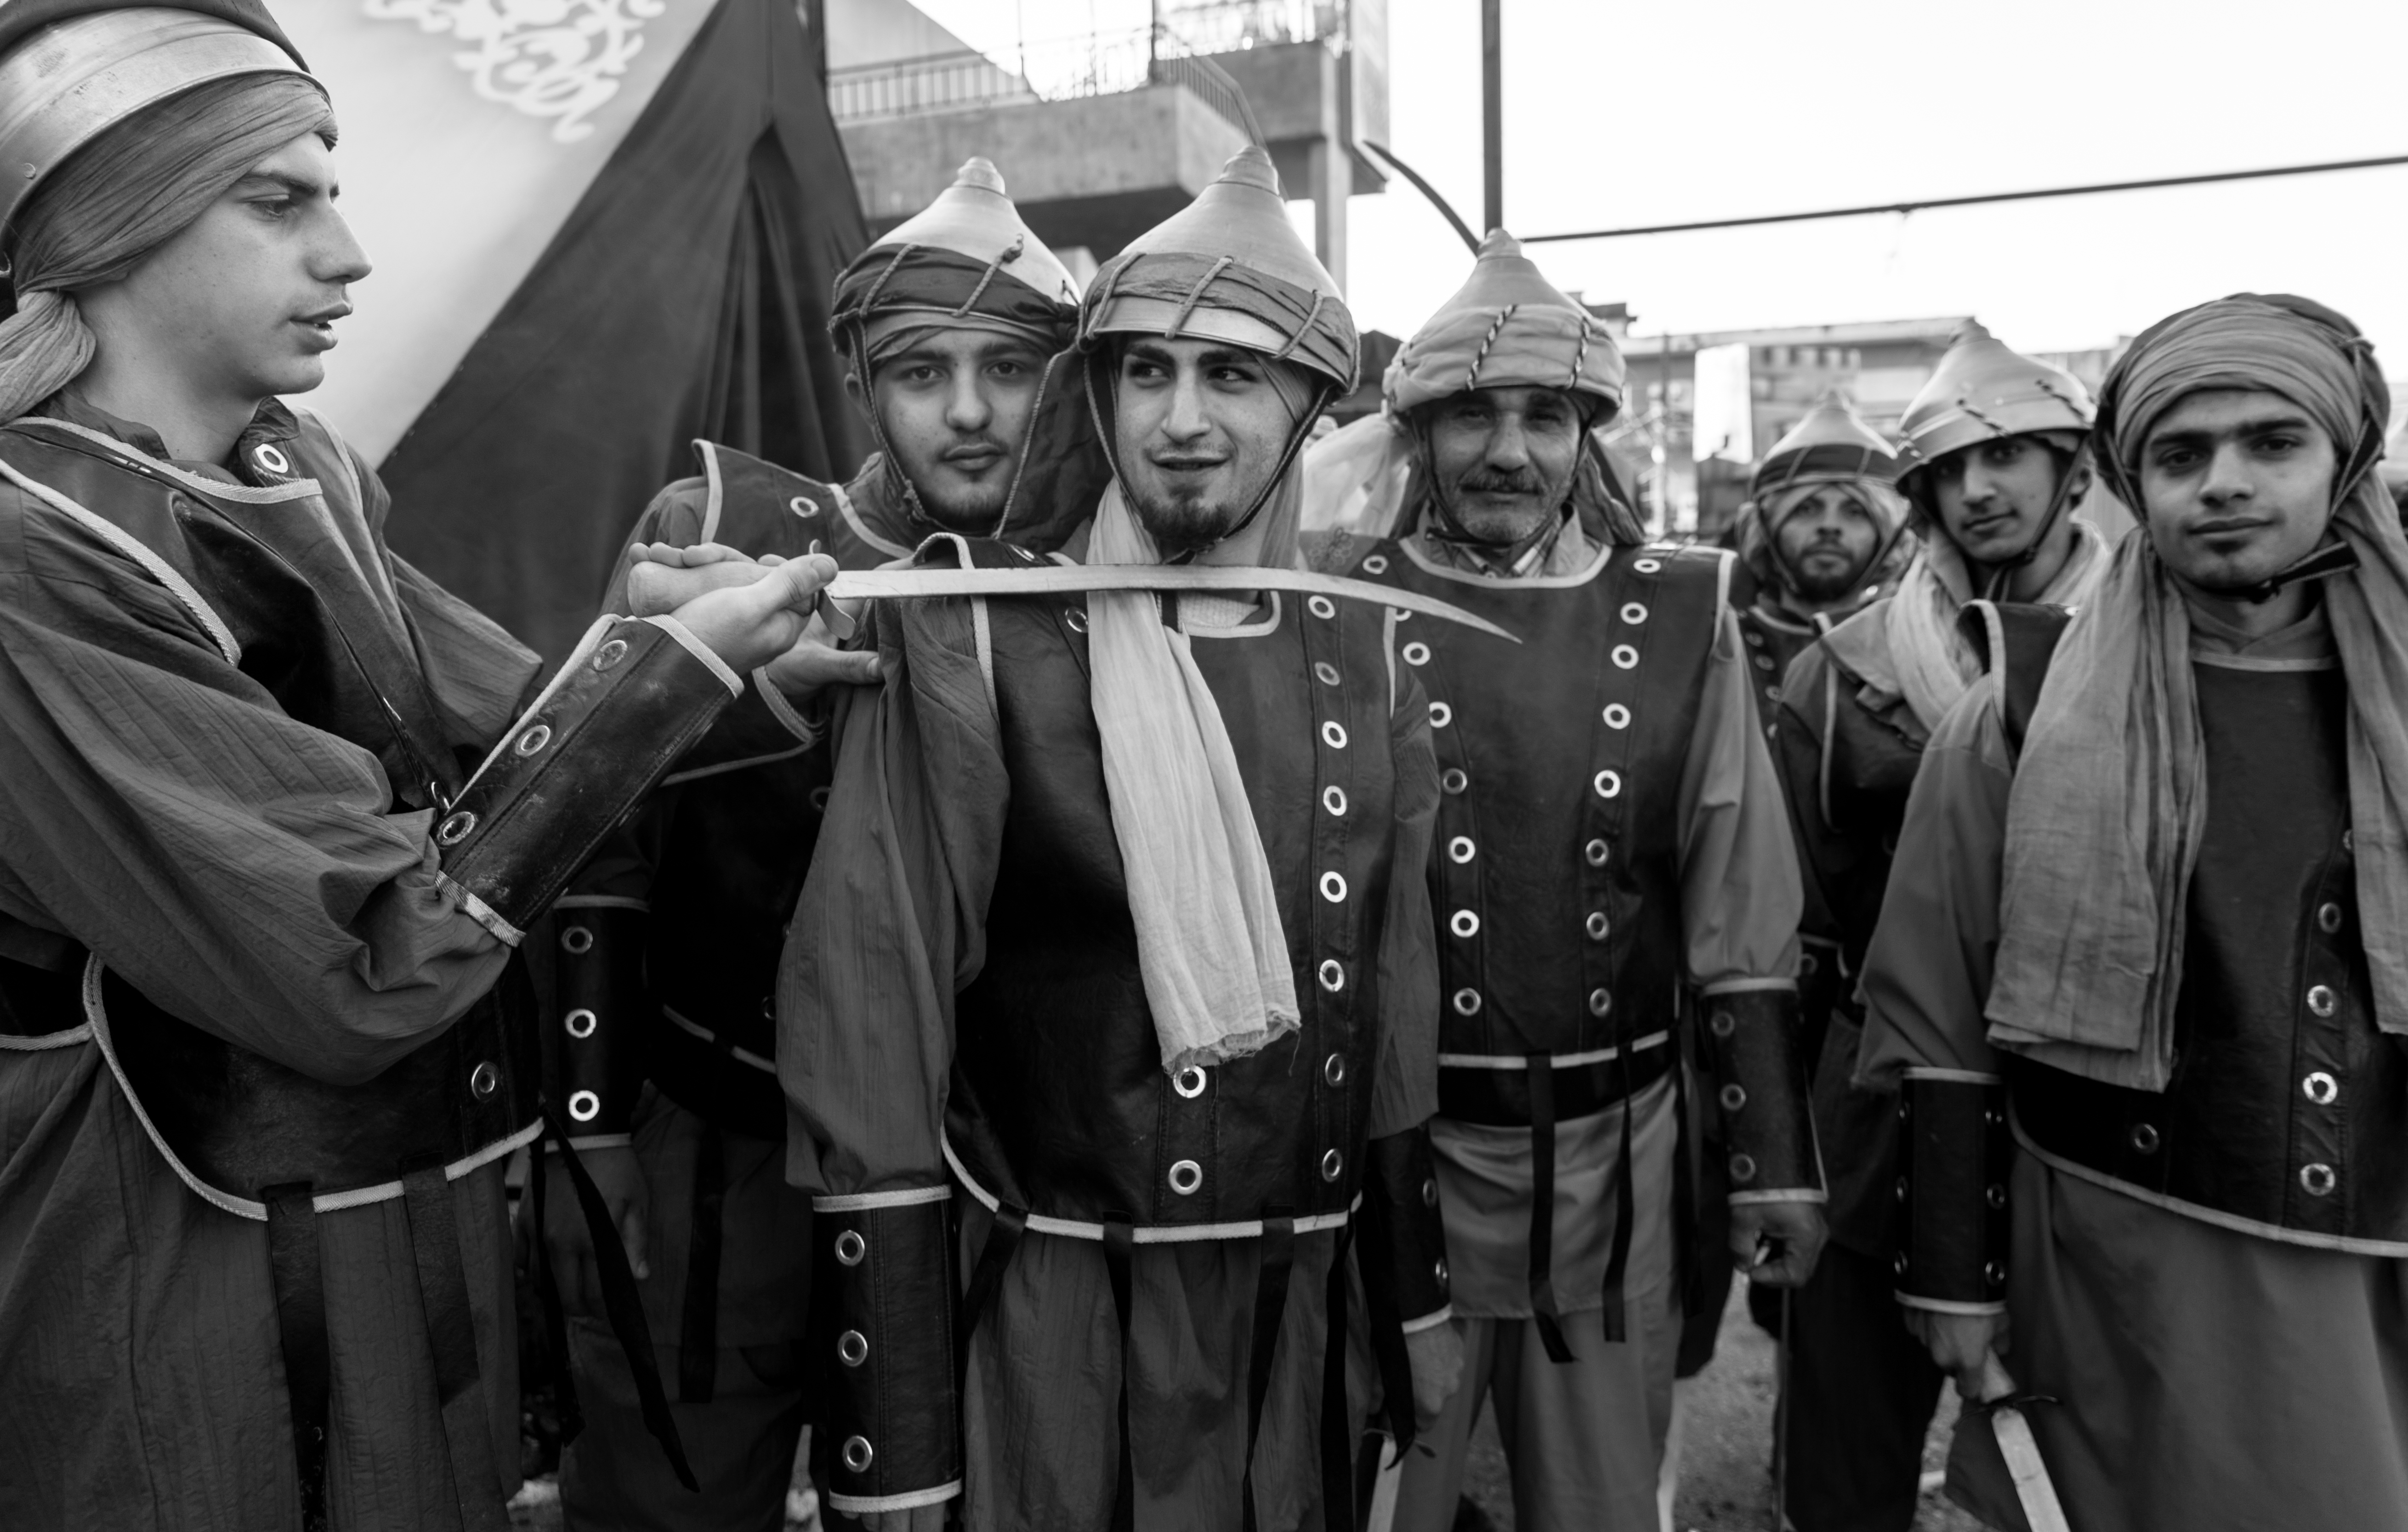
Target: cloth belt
(698,1329)
(298,1279)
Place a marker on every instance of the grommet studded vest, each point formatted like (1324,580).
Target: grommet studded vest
(2288,1112)
(1059,1105)
(1557,884)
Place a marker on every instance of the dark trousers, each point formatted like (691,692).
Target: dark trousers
(1863,1392)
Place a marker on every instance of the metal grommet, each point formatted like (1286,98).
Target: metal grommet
(2322,1088)
(2321,999)
(1077,618)
(1898,1265)
(1464,923)
(1597,851)
(1467,1002)
(1333,975)
(2144,1138)
(852,1349)
(1734,1096)
(1333,799)
(1617,716)
(1189,1083)
(1440,715)
(1608,783)
(1321,606)
(2328,918)
(857,1455)
(1634,612)
(1647,566)
(271,458)
(577,940)
(2319,1179)
(1598,925)
(1461,849)
(1808,963)
(609,653)
(1333,1069)
(1626,657)
(851,1247)
(819,798)
(1904,1188)
(1722,1023)
(1416,653)
(1025,556)
(585,1106)
(1600,1000)
(1332,1163)
(768,1008)
(1764,662)
(484,1080)
(582,1023)
(1995,1273)
(1186,1177)
(534,739)
(1429,1192)
(1333,887)
(1743,1168)
(1454,779)
(1324,672)
(1438,1269)
(1996,1196)
(1333,733)
(1376,563)
(455,827)
(804,507)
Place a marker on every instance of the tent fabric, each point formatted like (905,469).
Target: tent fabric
(686,296)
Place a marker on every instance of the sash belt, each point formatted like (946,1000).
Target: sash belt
(1500,1098)
(296,1277)
(1626,1212)
(1336,1440)
(1117,1248)
(1541,1088)
(1270,1309)
(698,1332)
(452,1338)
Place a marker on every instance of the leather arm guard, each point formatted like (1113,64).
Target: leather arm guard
(884,1273)
(1753,1036)
(1404,1237)
(1953,1155)
(607,728)
(593,1059)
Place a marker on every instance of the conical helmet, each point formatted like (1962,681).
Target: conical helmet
(1505,328)
(974,216)
(70,69)
(1832,442)
(1229,266)
(1982,391)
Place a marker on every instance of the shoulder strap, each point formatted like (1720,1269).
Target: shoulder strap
(2016,642)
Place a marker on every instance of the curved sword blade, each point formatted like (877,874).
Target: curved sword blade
(1061,579)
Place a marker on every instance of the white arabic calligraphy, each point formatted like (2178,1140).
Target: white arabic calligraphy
(560,59)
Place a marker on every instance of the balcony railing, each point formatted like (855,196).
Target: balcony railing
(1064,69)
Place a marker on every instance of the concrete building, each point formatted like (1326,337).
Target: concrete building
(1103,136)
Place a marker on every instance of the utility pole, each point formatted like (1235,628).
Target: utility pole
(1492,117)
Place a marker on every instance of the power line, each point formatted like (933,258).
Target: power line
(1974,201)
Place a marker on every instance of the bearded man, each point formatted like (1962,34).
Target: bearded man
(1823,534)
(2141,982)
(265,1046)
(1101,951)
(1610,856)
(952,324)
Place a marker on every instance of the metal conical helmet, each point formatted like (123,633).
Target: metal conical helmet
(1176,278)
(974,216)
(1505,328)
(1832,442)
(1982,391)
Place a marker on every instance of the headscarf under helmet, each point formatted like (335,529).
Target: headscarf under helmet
(1831,445)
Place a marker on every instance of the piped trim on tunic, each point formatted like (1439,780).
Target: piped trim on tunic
(1430,1321)
(12,1043)
(1143,1233)
(1605,553)
(861,528)
(223,488)
(716,497)
(140,553)
(743,1055)
(862,1505)
(97,1023)
(2274,1232)
(855,1202)
(1518,1062)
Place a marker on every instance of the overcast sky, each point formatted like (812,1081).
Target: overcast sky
(1621,114)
